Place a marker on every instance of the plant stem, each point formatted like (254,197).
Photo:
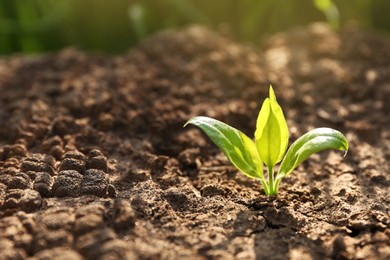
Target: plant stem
(276,187)
(265,186)
(272,189)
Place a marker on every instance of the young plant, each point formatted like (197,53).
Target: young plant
(269,148)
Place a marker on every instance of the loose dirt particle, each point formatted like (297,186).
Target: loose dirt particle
(38,163)
(72,164)
(24,200)
(94,182)
(16,150)
(98,162)
(67,184)
(20,181)
(92,245)
(124,216)
(42,184)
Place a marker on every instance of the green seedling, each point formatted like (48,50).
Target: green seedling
(269,147)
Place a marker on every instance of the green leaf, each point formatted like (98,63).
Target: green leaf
(330,10)
(238,147)
(313,141)
(323,5)
(271,131)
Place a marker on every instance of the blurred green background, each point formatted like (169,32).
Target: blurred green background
(34,26)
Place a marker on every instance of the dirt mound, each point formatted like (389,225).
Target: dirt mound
(94,162)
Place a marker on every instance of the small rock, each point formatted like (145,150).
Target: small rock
(58,218)
(12,162)
(54,146)
(124,217)
(72,164)
(38,164)
(57,152)
(15,150)
(90,244)
(42,184)
(95,153)
(88,223)
(44,158)
(74,155)
(98,162)
(24,200)
(94,182)
(20,181)
(53,141)
(67,183)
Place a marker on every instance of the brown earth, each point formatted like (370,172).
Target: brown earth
(94,162)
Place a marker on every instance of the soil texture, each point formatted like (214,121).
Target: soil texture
(95,163)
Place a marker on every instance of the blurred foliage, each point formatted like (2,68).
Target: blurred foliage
(331,12)
(32,26)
